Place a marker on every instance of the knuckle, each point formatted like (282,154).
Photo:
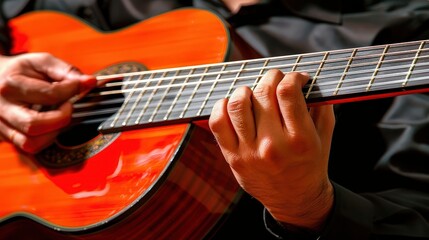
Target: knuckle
(289,85)
(30,146)
(43,55)
(10,85)
(294,75)
(266,87)
(285,88)
(299,144)
(262,91)
(217,117)
(71,69)
(268,151)
(236,163)
(27,123)
(276,73)
(55,94)
(5,86)
(236,105)
(240,100)
(215,122)
(52,94)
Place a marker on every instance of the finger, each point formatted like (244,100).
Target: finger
(241,114)
(24,142)
(6,132)
(33,123)
(324,120)
(53,68)
(221,126)
(35,91)
(61,71)
(265,104)
(40,78)
(293,106)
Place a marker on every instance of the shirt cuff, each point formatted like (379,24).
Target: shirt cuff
(279,231)
(350,218)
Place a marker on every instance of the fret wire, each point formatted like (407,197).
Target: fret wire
(279,66)
(139,97)
(163,97)
(365,71)
(363,80)
(235,79)
(313,81)
(295,65)
(197,86)
(254,76)
(376,84)
(151,97)
(280,57)
(394,83)
(210,91)
(124,105)
(252,60)
(128,90)
(379,72)
(413,64)
(377,68)
(179,94)
(353,87)
(124,123)
(343,76)
(258,78)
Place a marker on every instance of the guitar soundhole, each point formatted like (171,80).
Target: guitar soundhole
(81,140)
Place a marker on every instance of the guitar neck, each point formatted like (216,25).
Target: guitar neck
(183,94)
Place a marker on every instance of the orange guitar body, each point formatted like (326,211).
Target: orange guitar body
(167,182)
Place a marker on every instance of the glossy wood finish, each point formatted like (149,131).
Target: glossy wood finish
(194,193)
(92,192)
(155,183)
(179,38)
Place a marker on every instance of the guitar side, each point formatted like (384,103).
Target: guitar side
(161,182)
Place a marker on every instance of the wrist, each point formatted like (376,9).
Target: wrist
(308,211)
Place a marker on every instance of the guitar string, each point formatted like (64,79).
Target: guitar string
(326,83)
(291,57)
(344,89)
(329,61)
(80,114)
(329,90)
(320,78)
(349,73)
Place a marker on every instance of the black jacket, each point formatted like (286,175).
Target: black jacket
(378,195)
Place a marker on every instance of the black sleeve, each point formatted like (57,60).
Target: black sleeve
(392,214)
(4,37)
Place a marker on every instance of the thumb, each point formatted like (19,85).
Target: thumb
(63,79)
(58,70)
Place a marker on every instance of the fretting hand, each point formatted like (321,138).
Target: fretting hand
(277,148)
(36,79)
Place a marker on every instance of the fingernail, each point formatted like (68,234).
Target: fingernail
(87,82)
(306,74)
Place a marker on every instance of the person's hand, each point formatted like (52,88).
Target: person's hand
(37,79)
(277,148)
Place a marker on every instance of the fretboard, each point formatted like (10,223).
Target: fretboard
(189,93)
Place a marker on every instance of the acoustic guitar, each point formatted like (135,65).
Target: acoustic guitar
(138,160)
(160,182)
